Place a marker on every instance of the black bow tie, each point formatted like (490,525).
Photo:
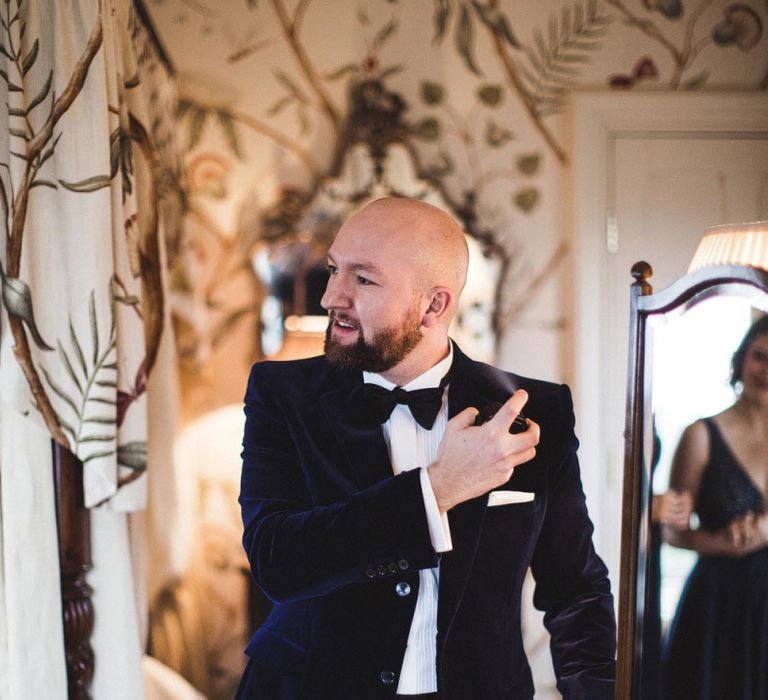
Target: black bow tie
(424,403)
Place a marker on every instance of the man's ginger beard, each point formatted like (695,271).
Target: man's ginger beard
(387,348)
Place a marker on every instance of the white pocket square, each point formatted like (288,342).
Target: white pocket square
(503,498)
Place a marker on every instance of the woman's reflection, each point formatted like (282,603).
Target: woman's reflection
(718,642)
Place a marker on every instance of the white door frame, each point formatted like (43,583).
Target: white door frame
(594,118)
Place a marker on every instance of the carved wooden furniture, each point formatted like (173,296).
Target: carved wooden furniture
(74,526)
(645,305)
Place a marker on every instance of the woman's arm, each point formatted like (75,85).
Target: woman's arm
(688,466)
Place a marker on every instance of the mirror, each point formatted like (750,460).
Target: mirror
(376,159)
(682,340)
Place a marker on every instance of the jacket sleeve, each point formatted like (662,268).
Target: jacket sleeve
(300,549)
(572,586)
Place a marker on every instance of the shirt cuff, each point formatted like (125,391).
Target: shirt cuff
(439,530)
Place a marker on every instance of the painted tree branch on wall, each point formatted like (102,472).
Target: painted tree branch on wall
(291,27)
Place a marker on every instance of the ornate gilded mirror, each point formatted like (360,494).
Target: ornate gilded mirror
(376,159)
(682,340)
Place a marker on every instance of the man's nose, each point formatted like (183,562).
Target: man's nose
(335,296)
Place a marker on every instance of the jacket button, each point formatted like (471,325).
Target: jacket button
(402,589)
(387,677)
(370,573)
(403,564)
(392,567)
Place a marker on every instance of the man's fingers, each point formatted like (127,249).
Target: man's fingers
(531,434)
(465,418)
(509,410)
(734,533)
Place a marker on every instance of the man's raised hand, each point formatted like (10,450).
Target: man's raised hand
(473,460)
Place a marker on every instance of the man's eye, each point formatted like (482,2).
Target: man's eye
(331,269)
(363,280)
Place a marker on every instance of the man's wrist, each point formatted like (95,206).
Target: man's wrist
(437,520)
(438,488)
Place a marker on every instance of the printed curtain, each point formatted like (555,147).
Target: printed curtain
(88,192)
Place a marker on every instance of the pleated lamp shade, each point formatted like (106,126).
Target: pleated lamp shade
(733,244)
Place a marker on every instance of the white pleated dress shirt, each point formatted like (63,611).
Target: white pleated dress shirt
(411,447)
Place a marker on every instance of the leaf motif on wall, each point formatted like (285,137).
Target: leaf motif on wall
(390,71)
(281,104)
(526,199)
(427,129)
(558,59)
(89,375)
(490,94)
(465,40)
(230,134)
(196,124)
(441,167)
(488,14)
(432,93)
(671,9)
(384,33)
(696,81)
(291,87)
(496,135)
(440,18)
(346,69)
(529,164)
(17,299)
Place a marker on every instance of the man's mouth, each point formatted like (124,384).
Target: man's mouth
(344,325)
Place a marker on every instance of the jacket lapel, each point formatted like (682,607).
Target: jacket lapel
(467,388)
(360,439)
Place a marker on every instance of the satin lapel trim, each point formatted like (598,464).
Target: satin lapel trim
(466,519)
(361,442)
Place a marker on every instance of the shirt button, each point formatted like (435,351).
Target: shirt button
(402,589)
(381,570)
(403,564)
(392,567)
(387,677)
(370,573)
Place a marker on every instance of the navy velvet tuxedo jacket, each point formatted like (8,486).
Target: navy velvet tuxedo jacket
(330,532)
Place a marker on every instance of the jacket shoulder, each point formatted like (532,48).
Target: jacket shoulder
(285,376)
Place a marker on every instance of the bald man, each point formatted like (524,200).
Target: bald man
(391,528)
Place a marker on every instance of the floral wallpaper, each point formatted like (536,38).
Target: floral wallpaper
(264,94)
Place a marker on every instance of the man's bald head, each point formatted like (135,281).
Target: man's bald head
(428,238)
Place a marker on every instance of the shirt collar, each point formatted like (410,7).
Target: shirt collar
(426,380)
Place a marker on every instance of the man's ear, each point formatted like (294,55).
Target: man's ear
(440,301)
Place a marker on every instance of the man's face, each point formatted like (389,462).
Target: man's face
(386,348)
(374,313)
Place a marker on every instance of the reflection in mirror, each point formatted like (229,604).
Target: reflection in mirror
(705,628)
(375,158)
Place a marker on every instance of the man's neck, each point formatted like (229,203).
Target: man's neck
(416,363)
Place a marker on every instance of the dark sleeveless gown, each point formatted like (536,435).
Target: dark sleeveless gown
(717,648)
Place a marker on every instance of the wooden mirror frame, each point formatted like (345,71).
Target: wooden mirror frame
(690,289)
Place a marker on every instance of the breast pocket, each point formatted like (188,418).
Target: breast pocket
(510,528)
